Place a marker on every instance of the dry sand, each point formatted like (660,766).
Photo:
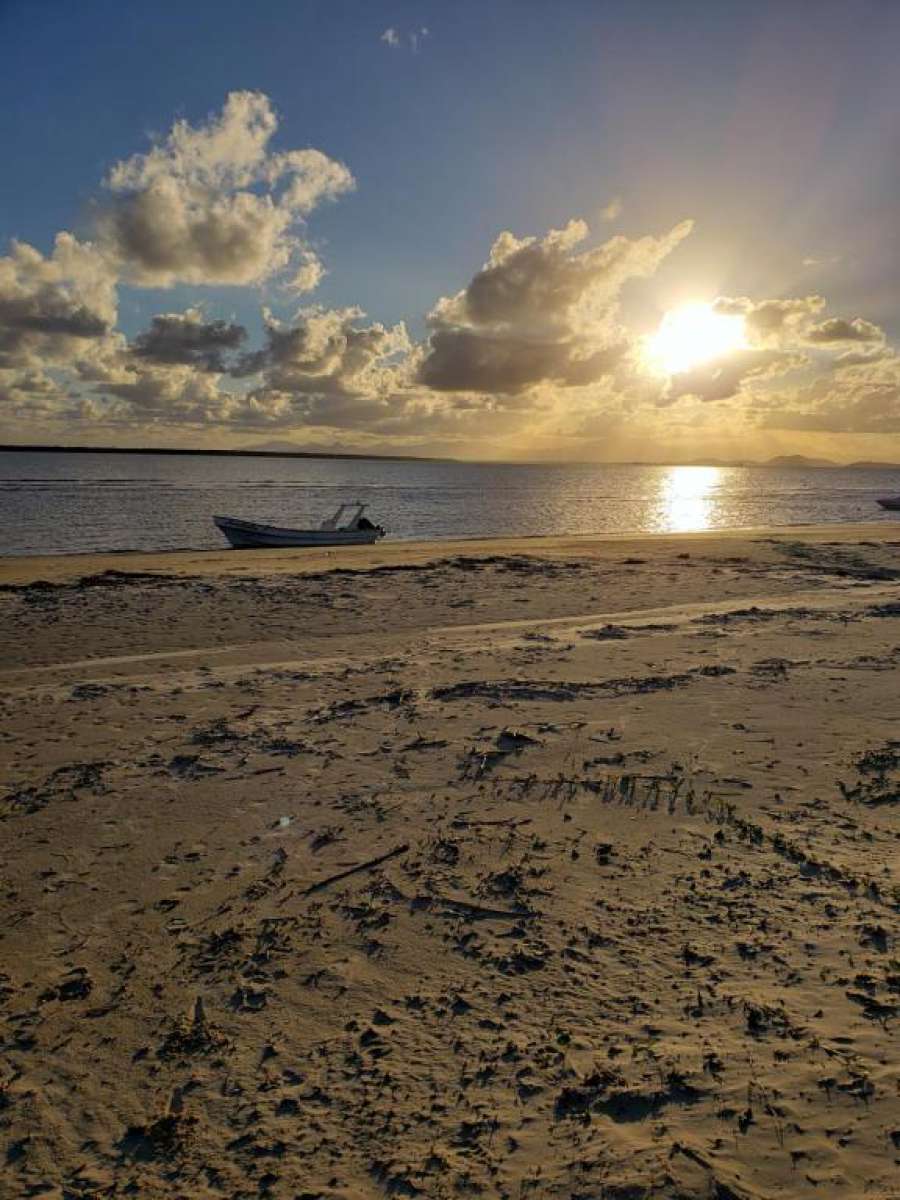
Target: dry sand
(560,868)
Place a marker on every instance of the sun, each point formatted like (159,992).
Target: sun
(694,334)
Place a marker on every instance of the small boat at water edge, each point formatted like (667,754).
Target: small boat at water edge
(891,502)
(339,530)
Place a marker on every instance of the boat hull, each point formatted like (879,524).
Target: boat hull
(248,535)
(890,502)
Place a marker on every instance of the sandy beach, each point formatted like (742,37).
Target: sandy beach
(526,868)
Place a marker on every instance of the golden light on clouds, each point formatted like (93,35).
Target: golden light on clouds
(691,335)
(537,348)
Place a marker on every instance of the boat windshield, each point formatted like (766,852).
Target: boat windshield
(337,522)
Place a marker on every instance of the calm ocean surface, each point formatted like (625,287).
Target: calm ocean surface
(63,503)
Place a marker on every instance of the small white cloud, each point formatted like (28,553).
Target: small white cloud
(416,37)
(413,38)
(309,273)
(822,262)
(610,211)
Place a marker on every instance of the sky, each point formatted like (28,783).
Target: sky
(605,230)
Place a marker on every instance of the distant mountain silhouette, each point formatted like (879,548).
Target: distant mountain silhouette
(786,460)
(291,448)
(799,460)
(782,460)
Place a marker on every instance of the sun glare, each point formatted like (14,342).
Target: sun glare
(694,334)
(687,498)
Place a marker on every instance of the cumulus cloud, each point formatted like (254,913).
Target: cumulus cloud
(538,312)
(862,398)
(172,374)
(726,377)
(470,361)
(837,329)
(56,321)
(864,357)
(186,339)
(213,204)
(29,394)
(536,341)
(308,273)
(50,308)
(781,336)
(172,396)
(795,321)
(310,369)
(773,323)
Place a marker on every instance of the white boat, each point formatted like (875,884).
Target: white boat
(892,502)
(354,529)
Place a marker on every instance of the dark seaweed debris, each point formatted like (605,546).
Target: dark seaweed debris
(878,780)
(62,784)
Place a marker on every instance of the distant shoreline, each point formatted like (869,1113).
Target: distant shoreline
(781,462)
(177,450)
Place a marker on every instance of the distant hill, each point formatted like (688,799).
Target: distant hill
(781,460)
(292,450)
(799,460)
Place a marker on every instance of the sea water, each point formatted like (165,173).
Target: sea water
(57,503)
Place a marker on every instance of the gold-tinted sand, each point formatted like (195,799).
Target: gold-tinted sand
(522,868)
(608,546)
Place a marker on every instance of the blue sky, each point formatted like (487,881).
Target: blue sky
(772,126)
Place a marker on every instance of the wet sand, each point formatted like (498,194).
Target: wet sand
(522,868)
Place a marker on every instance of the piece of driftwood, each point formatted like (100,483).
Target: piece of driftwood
(363,866)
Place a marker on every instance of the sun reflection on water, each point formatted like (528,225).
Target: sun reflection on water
(687,498)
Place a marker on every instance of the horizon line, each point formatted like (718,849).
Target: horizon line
(783,460)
